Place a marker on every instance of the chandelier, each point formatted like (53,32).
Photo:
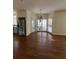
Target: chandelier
(40,17)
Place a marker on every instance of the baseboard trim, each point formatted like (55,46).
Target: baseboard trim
(60,35)
(47,32)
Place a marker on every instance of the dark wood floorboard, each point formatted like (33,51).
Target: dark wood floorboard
(39,45)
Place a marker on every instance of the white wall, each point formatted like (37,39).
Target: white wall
(59,23)
(28,22)
(21,13)
(14,17)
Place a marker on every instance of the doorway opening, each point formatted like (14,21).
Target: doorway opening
(21,27)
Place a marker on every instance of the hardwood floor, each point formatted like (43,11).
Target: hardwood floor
(39,45)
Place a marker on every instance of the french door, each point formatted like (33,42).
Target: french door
(42,25)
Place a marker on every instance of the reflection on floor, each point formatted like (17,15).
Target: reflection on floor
(39,45)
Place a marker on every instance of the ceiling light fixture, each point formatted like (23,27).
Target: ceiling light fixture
(41,17)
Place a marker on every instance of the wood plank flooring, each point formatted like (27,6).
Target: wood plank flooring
(39,45)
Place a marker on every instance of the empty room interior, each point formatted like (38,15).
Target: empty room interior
(39,29)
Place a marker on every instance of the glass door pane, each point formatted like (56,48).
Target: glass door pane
(38,25)
(33,25)
(44,24)
(50,24)
(41,25)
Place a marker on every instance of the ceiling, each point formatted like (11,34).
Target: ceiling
(35,5)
